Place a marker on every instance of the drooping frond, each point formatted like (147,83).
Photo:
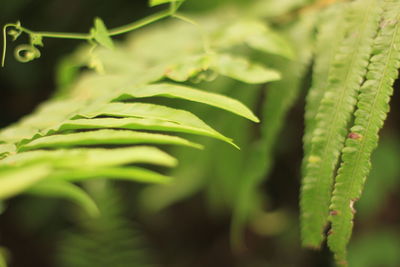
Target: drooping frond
(334,113)
(330,33)
(63,189)
(107,240)
(372,109)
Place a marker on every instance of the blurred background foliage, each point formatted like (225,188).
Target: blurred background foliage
(189,222)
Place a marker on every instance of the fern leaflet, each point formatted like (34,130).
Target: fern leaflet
(372,109)
(333,115)
(330,34)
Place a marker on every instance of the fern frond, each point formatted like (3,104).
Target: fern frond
(14,181)
(104,137)
(243,70)
(225,172)
(170,90)
(225,64)
(330,33)
(150,111)
(134,174)
(91,157)
(256,34)
(67,190)
(372,109)
(110,107)
(23,171)
(135,124)
(107,240)
(334,113)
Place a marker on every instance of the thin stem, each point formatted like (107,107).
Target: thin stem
(140,23)
(64,35)
(3,57)
(116,31)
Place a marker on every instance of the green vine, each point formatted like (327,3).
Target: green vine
(98,34)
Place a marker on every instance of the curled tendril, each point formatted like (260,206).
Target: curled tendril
(25,53)
(29,52)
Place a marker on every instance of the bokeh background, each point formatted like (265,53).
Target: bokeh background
(190,232)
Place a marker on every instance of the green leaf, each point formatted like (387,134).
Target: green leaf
(47,115)
(15,181)
(136,124)
(94,157)
(188,67)
(334,114)
(191,94)
(134,174)
(331,30)
(153,112)
(104,137)
(257,35)
(243,70)
(100,33)
(6,149)
(63,189)
(36,40)
(372,109)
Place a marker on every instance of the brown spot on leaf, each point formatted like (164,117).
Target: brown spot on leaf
(354,136)
(352,201)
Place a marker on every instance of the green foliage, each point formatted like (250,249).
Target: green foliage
(334,113)
(164,89)
(372,107)
(100,34)
(107,240)
(61,142)
(368,54)
(279,99)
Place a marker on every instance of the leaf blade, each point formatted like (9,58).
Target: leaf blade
(192,94)
(104,137)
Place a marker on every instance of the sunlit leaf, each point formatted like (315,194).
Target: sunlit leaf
(104,137)
(101,35)
(15,181)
